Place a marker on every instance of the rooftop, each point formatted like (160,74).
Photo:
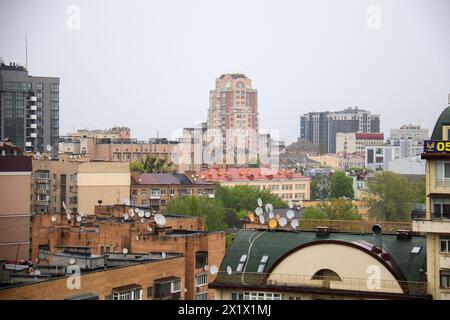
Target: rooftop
(164,179)
(244,174)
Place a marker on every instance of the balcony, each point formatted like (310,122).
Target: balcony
(292,283)
(33,108)
(33,99)
(155,196)
(33,135)
(442,183)
(431,226)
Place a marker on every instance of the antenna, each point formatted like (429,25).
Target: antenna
(26,51)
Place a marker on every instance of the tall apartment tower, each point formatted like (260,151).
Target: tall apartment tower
(233,114)
(29,109)
(322,127)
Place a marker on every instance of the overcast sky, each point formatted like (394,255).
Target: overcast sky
(150,65)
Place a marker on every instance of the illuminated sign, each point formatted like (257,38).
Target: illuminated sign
(440,146)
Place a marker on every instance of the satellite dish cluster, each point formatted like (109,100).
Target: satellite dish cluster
(271,219)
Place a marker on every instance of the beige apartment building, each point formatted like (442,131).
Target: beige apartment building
(436,224)
(15,179)
(287,185)
(356,142)
(78,185)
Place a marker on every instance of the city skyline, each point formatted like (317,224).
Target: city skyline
(125,64)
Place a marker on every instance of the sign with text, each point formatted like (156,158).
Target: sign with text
(438,146)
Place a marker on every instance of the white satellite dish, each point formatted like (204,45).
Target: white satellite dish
(206,267)
(149,229)
(213,269)
(124,250)
(260,202)
(163,255)
(294,223)
(147,214)
(229,270)
(290,214)
(68,212)
(271,215)
(269,207)
(53,219)
(37,156)
(259,211)
(136,210)
(81,214)
(290,204)
(142,220)
(131,212)
(282,222)
(71,261)
(79,218)
(125,216)
(141,214)
(48,148)
(64,205)
(69,217)
(160,219)
(261,219)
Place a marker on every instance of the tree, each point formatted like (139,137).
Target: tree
(245,197)
(320,188)
(313,213)
(391,197)
(152,164)
(340,209)
(420,192)
(341,186)
(137,166)
(210,209)
(231,218)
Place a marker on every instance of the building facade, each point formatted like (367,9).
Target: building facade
(233,120)
(436,224)
(29,109)
(58,185)
(409,131)
(322,127)
(155,190)
(356,142)
(285,184)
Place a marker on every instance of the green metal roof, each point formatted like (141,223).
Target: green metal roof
(276,243)
(444,119)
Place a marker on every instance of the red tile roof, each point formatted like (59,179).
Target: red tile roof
(370,136)
(244,174)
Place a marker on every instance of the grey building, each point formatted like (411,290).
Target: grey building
(321,127)
(29,109)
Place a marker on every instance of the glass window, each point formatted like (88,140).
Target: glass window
(445,279)
(201,280)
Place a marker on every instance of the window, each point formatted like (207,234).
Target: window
(262,264)
(240,266)
(237,296)
(201,296)
(445,244)
(201,280)
(201,259)
(447,170)
(441,208)
(135,294)
(261,296)
(445,278)
(175,286)
(416,250)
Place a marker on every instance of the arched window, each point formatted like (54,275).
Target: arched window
(326,274)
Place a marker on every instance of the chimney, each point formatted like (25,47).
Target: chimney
(376,236)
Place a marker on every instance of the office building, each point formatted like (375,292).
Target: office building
(29,109)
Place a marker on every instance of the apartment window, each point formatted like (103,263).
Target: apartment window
(445,244)
(201,296)
(441,208)
(175,286)
(156,192)
(163,192)
(201,280)
(172,192)
(261,296)
(201,259)
(167,288)
(445,278)
(130,292)
(44,251)
(237,296)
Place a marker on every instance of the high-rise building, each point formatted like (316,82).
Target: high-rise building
(322,127)
(29,109)
(233,119)
(436,224)
(409,131)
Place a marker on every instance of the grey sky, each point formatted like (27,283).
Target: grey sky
(149,65)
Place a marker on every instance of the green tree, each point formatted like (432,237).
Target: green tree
(340,209)
(231,218)
(341,186)
(312,213)
(246,197)
(137,166)
(391,197)
(210,209)
(152,164)
(419,190)
(320,188)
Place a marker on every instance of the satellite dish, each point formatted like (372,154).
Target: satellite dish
(136,210)
(163,255)
(147,214)
(37,273)
(37,156)
(69,217)
(282,222)
(260,202)
(48,148)
(213,269)
(64,205)
(160,219)
(71,261)
(53,219)
(261,219)
(124,250)
(269,207)
(272,223)
(79,218)
(141,214)
(290,204)
(142,220)
(68,212)
(271,215)
(206,267)
(149,229)
(81,214)
(125,216)
(259,211)
(229,270)
(290,214)
(294,223)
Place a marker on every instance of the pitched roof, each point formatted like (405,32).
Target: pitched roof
(164,178)
(277,243)
(444,119)
(245,174)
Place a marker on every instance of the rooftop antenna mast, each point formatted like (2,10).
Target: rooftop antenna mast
(26,51)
